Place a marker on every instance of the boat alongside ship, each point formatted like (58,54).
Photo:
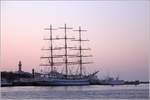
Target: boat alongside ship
(112,81)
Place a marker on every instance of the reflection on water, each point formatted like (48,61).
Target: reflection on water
(76,92)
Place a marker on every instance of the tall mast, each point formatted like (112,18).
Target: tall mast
(80,50)
(51,62)
(51,47)
(66,47)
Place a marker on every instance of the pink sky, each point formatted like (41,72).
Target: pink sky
(118,31)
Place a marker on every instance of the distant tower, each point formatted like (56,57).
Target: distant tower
(20,65)
(33,72)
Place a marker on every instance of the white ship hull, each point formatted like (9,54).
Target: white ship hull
(63,82)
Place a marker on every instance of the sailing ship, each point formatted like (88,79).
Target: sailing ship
(53,60)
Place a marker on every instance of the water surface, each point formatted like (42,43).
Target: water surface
(129,92)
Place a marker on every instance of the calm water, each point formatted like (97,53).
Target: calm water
(140,92)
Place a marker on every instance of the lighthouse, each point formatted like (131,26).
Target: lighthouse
(19,67)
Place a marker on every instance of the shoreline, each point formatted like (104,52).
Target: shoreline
(34,84)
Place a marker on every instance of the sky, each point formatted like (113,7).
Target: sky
(118,32)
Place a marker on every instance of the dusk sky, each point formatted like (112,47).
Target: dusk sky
(118,32)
